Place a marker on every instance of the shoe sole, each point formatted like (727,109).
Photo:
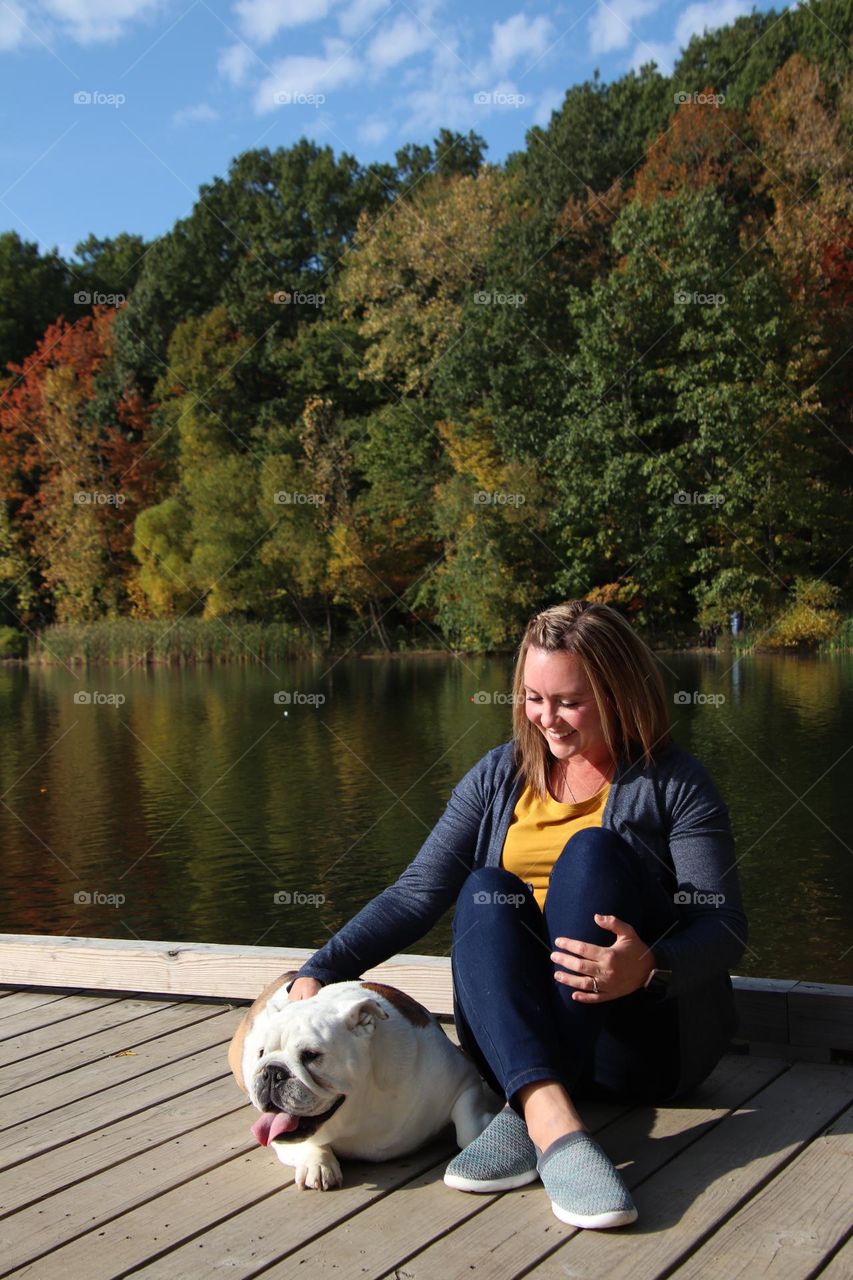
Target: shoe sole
(461,1183)
(615,1218)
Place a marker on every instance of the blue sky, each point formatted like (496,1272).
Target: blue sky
(173,89)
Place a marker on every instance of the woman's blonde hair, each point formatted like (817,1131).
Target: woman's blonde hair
(625,678)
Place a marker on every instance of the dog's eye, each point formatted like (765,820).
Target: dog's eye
(260,1053)
(308,1055)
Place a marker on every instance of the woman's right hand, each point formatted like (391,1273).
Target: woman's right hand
(303,988)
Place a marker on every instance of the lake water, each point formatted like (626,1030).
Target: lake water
(200,809)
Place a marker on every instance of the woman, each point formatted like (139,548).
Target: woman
(597,913)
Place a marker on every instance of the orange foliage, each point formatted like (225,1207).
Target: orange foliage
(703,147)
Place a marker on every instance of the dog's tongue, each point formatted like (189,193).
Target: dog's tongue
(271,1124)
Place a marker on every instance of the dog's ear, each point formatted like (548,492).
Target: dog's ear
(235,1049)
(362,1016)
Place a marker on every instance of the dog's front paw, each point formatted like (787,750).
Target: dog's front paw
(320,1172)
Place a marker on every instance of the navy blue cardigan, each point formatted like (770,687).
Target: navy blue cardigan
(673,817)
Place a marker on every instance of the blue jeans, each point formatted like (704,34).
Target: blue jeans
(517,1022)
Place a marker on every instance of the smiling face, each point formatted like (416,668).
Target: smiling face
(559,702)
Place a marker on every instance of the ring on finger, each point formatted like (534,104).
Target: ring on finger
(595,986)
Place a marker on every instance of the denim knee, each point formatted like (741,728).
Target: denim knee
(479,886)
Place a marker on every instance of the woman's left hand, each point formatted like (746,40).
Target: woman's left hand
(604,973)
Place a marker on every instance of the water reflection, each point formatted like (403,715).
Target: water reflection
(192,805)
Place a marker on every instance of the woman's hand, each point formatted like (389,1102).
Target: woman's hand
(304,988)
(604,973)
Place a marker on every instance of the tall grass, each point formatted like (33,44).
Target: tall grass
(173,643)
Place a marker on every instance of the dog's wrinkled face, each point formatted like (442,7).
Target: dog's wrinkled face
(300,1063)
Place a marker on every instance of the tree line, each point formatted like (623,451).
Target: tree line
(427,398)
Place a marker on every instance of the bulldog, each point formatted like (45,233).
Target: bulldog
(360,1070)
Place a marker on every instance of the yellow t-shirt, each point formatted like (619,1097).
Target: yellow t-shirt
(538,831)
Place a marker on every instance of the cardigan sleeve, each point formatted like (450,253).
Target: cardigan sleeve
(405,911)
(711,934)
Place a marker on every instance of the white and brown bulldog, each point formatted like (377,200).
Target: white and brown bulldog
(359,1070)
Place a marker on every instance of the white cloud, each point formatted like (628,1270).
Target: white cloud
(89,21)
(395,43)
(298,76)
(234,63)
(262,19)
(550,100)
(610,27)
(372,132)
(357,17)
(12,29)
(693,21)
(519,38)
(201,113)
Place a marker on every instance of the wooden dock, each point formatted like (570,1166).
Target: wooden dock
(125,1149)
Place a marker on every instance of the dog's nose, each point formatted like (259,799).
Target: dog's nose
(273,1074)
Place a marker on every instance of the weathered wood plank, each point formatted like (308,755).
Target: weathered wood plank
(170,1029)
(51,1013)
(184,1064)
(246,1241)
(50,1224)
(788,1229)
(821,1015)
(29,1057)
(125,1139)
(515,1229)
(686,1201)
(840,1267)
(762,1009)
(20,1000)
